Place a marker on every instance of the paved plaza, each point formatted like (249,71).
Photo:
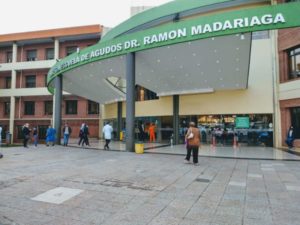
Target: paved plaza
(85,186)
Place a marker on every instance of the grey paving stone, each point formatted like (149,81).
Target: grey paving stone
(126,189)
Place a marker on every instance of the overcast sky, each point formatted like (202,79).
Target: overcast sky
(29,15)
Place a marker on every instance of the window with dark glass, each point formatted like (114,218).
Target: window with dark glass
(31,55)
(30,81)
(20,132)
(6,108)
(295,119)
(29,108)
(48,107)
(143,94)
(71,49)
(294,62)
(49,53)
(9,57)
(93,107)
(71,107)
(7,82)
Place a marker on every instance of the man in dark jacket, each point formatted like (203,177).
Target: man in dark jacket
(26,135)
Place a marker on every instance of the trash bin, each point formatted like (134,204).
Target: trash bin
(8,138)
(139,148)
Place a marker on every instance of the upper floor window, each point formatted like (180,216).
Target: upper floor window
(46,75)
(6,108)
(294,62)
(71,107)
(48,107)
(49,53)
(93,107)
(30,81)
(9,57)
(7,82)
(29,108)
(71,49)
(31,55)
(143,94)
(295,119)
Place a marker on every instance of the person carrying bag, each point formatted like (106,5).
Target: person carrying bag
(193,143)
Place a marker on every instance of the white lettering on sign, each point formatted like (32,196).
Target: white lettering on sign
(217,26)
(165,36)
(237,23)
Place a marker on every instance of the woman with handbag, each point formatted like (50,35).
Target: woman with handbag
(193,143)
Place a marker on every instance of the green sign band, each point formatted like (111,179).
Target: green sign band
(223,23)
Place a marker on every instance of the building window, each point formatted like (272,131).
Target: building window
(143,94)
(295,119)
(30,81)
(93,107)
(6,108)
(20,132)
(49,53)
(31,55)
(8,57)
(46,75)
(7,82)
(71,107)
(71,49)
(294,62)
(48,106)
(29,108)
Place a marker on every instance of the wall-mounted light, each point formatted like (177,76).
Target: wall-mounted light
(242,36)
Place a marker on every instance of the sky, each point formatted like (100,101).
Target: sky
(30,15)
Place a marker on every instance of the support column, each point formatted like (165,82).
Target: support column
(277,138)
(56,57)
(176,119)
(12,116)
(119,123)
(130,101)
(14,52)
(13,98)
(56,49)
(57,111)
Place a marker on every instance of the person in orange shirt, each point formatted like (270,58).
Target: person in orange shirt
(152,132)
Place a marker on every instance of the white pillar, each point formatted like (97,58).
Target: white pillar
(14,52)
(13,98)
(276,106)
(56,48)
(56,56)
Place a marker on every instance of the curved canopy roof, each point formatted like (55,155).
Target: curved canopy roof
(200,52)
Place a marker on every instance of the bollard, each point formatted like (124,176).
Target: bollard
(235,141)
(213,143)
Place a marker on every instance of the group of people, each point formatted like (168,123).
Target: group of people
(50,135)
(67,130)
(150,130)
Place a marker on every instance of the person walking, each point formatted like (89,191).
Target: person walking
(35,136)
(152,132)
(26,134)
(50,136)
(83,135)
(107,130)
(141,131)
(193,143)
(290,137)
(67,132)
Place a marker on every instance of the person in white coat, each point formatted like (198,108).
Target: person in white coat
(107,131)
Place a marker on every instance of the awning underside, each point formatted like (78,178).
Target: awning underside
(220,63)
